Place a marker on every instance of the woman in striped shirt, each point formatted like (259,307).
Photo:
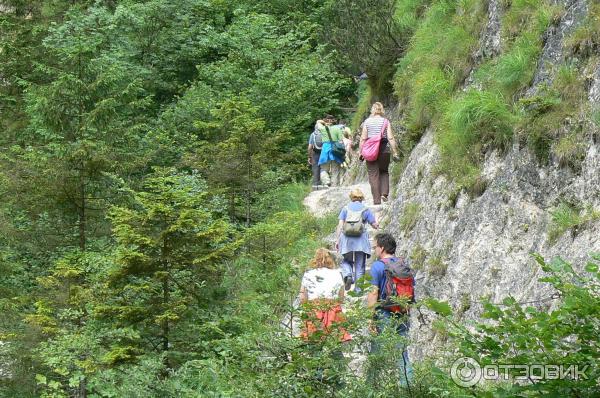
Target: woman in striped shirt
(378,170)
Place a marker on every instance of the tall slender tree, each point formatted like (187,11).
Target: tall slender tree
(171,241)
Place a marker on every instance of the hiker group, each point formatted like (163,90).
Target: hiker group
(390,284)
(330,148)
(389,287)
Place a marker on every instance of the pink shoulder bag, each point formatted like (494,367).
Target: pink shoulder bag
(370,149)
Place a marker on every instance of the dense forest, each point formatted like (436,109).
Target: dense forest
(152,171)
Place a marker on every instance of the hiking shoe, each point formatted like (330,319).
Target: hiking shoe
(347,282)
(315,187)
(384,198)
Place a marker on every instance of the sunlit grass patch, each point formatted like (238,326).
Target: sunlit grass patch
(477,117)
(569,217)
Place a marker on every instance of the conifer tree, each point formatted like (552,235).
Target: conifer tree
(242,151)
(84,121)
(171,242)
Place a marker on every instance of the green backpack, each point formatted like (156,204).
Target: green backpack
(354,224)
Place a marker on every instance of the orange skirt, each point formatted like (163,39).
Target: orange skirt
(323,319)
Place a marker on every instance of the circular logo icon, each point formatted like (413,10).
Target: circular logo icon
(466,372)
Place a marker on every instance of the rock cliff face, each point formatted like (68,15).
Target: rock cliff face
(474,247)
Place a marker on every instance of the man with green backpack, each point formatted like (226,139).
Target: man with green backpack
(353,238)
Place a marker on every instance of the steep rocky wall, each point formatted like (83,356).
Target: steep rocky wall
(481,247)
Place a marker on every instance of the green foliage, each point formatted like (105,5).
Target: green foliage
(64,305)
(439,307)
(477,117)
(585,40)
(171,240)
(116,105)
(567,217)
(474,121)
(522,334)
(418,257)
(383,36)
(570,150)
(436,60)
(363,107)
(432,89)
(410,216)
(437,265)
(243,148)
(181,123)
(528,15)
(513,70)
(481,118)
(83,117)
(545,115)
(595,117)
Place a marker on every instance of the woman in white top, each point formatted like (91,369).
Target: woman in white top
(322,291)
(378,170)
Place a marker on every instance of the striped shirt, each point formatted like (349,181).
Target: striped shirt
(374,124)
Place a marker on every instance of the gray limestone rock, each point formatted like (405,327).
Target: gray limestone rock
(554,53)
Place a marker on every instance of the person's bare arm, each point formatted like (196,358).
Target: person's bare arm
(374,224)
(363,137)
(303,295)
(372,298)
(309,150)
(392,140)
(338,232)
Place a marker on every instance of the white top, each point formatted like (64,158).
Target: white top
(322,283)
(374,124)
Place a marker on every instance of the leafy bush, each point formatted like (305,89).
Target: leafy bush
(523,334)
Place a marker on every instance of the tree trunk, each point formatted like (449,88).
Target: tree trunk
(165,336)
(81,210)
(232,205)
(166,298)
(249,189)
